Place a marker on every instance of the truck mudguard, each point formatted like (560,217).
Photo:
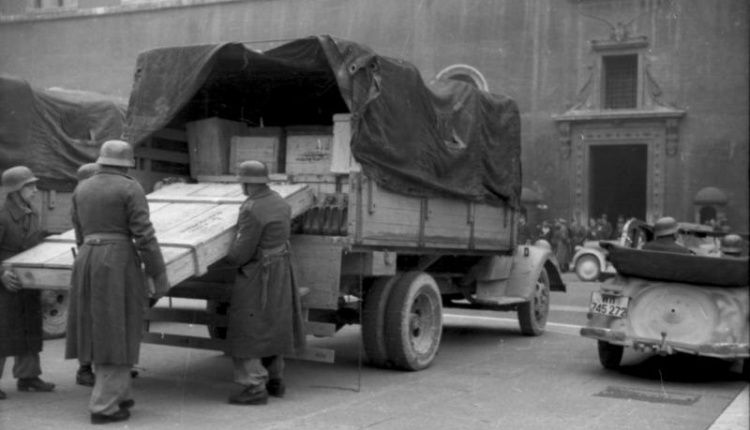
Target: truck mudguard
(528,263)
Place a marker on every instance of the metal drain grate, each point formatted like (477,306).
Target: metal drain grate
(649,395)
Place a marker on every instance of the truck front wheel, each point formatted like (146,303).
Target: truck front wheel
(414,321)
(532,315)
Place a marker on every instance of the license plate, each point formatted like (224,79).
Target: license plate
(609,304)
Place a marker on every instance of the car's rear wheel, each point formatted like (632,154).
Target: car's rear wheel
(610,355)
(588,268)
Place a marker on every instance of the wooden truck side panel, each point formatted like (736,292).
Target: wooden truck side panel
(381,218)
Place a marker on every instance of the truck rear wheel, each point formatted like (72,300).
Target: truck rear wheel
(373,320)
(54,313)
(610,355)
(532,315)
(414,321)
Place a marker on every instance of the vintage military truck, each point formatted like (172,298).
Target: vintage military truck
(405,196)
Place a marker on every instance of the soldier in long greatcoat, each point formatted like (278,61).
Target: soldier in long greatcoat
(109,288)
(20,310)
(264,315)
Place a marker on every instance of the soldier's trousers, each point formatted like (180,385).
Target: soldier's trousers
(24,366)
(255,372)
(112,386)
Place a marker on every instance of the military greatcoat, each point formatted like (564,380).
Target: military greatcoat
(20,312)
(108,291)
(264,312)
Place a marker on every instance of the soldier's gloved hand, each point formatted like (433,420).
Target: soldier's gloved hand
(10,280)
(158,287)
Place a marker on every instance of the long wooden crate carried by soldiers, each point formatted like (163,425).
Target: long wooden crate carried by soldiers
(194,223)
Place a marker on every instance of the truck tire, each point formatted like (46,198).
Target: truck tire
(54,313)
(414,321)
(373,320)
(610,354)
(532,315)
(588,268)
(220,308)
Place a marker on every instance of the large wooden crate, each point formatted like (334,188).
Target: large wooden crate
(309,151)
(194,223)
(261,144)
(209,141)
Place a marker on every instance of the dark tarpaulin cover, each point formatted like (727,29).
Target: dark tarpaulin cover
(55,131)
(445,139)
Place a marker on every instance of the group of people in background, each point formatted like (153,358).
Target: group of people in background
(564,236)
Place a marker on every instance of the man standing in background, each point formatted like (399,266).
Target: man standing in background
(20,310)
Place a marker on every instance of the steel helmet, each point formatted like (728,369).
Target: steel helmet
(665,226)
(116,153)
(86,171)
(252,172)
(16,177)
(731,244)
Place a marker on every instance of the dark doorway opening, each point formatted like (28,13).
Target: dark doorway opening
(618,181)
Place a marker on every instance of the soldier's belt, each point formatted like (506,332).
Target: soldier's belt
(97,238)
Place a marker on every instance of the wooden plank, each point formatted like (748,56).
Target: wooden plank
(446,223)
(323,355)
(184,341)
(186,316)
(320,329)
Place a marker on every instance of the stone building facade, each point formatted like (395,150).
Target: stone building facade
(629,107)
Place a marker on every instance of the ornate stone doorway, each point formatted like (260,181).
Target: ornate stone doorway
(618,169)
(617,180)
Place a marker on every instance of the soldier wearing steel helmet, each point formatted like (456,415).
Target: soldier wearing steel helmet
(665,237)
(731,246)
(20,310)
(264,314)
(108,287)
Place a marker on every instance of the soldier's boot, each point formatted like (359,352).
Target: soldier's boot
(34,384)
(276,387)
(253,395)
(85,376)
